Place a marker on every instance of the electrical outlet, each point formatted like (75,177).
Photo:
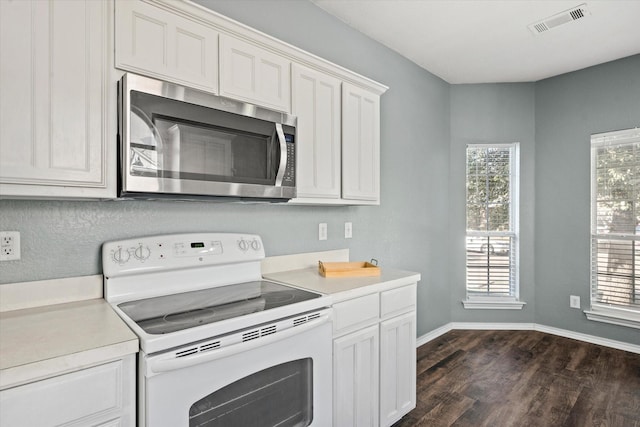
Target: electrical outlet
(574,301)
(348,230)
(322,231)
(9,245)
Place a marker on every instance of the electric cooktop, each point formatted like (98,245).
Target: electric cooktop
(170,313)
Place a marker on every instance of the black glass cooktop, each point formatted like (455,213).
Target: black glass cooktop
(171,313)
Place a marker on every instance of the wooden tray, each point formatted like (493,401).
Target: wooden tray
(347,269)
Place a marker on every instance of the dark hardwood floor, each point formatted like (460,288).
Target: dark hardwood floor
(523,378)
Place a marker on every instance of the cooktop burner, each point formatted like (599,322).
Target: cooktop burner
(170,313)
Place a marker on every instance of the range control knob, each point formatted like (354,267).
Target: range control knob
(142,252)
(243,245)
(255,244)
(120,255)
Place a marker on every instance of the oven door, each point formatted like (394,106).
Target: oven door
(282,379)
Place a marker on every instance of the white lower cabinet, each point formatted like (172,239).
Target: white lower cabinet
(102,395)
(374,358)
(355,376)
(397,376)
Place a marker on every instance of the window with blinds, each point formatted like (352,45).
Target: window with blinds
(492,232)
(615,222)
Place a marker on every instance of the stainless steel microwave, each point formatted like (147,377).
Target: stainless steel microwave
(177,142)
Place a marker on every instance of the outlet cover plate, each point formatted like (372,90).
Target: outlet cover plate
(574,301)
(322,231)
(9,245)
(348,230)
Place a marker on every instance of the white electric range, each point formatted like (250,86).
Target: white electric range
(220,346)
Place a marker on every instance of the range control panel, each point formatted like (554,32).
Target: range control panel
(175,251)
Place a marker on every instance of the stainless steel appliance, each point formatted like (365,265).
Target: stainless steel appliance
(178,142)
(219,345)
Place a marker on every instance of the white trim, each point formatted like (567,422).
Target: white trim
(608,317)
(495,326)
(632,348)
(476,304)
(619,345)
(429,336)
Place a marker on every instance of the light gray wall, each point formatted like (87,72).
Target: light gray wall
(569,108)
(492,113)
(418,226)
(62,239)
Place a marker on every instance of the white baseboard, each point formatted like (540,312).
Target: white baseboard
(497,326)
(429,336)
(632,348)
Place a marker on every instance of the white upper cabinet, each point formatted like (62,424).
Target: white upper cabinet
(253,74)
(58,75)
(57,102)
(154,41)
(316,103)
(360,144)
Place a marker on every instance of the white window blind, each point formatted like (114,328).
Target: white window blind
(492,232)
(615,221)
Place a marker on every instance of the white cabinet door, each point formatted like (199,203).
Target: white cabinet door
(355,378)
(360,144)
(57,107)
(255,75)
(99,396)
(156,42)
(316,104)
(397,367)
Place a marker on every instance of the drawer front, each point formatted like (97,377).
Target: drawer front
(74,397)
(358,312)
(397,301)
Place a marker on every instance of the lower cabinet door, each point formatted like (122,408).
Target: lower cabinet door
(397,367)
(101,396)
(355,378)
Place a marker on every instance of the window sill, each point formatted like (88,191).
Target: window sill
(613,317)
(493,304)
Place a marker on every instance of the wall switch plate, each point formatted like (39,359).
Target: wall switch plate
(348,230)
(574,301)
(322,231)
(9,245)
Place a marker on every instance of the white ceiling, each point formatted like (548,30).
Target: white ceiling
(485,41)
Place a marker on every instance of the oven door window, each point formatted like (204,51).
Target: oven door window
(281,396)
(177,140)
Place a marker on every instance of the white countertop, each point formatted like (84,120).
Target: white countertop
(344,288)
(41,342)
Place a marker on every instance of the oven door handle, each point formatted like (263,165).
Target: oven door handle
(157,366)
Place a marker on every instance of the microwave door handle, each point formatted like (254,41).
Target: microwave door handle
(283,155)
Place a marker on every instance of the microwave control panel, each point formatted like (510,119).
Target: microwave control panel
(289,179)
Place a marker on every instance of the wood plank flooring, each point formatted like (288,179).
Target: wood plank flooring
(523,378)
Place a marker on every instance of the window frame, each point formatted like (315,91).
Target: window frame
(512,301)
(602,312)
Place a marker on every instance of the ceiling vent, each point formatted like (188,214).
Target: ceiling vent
(558,19)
